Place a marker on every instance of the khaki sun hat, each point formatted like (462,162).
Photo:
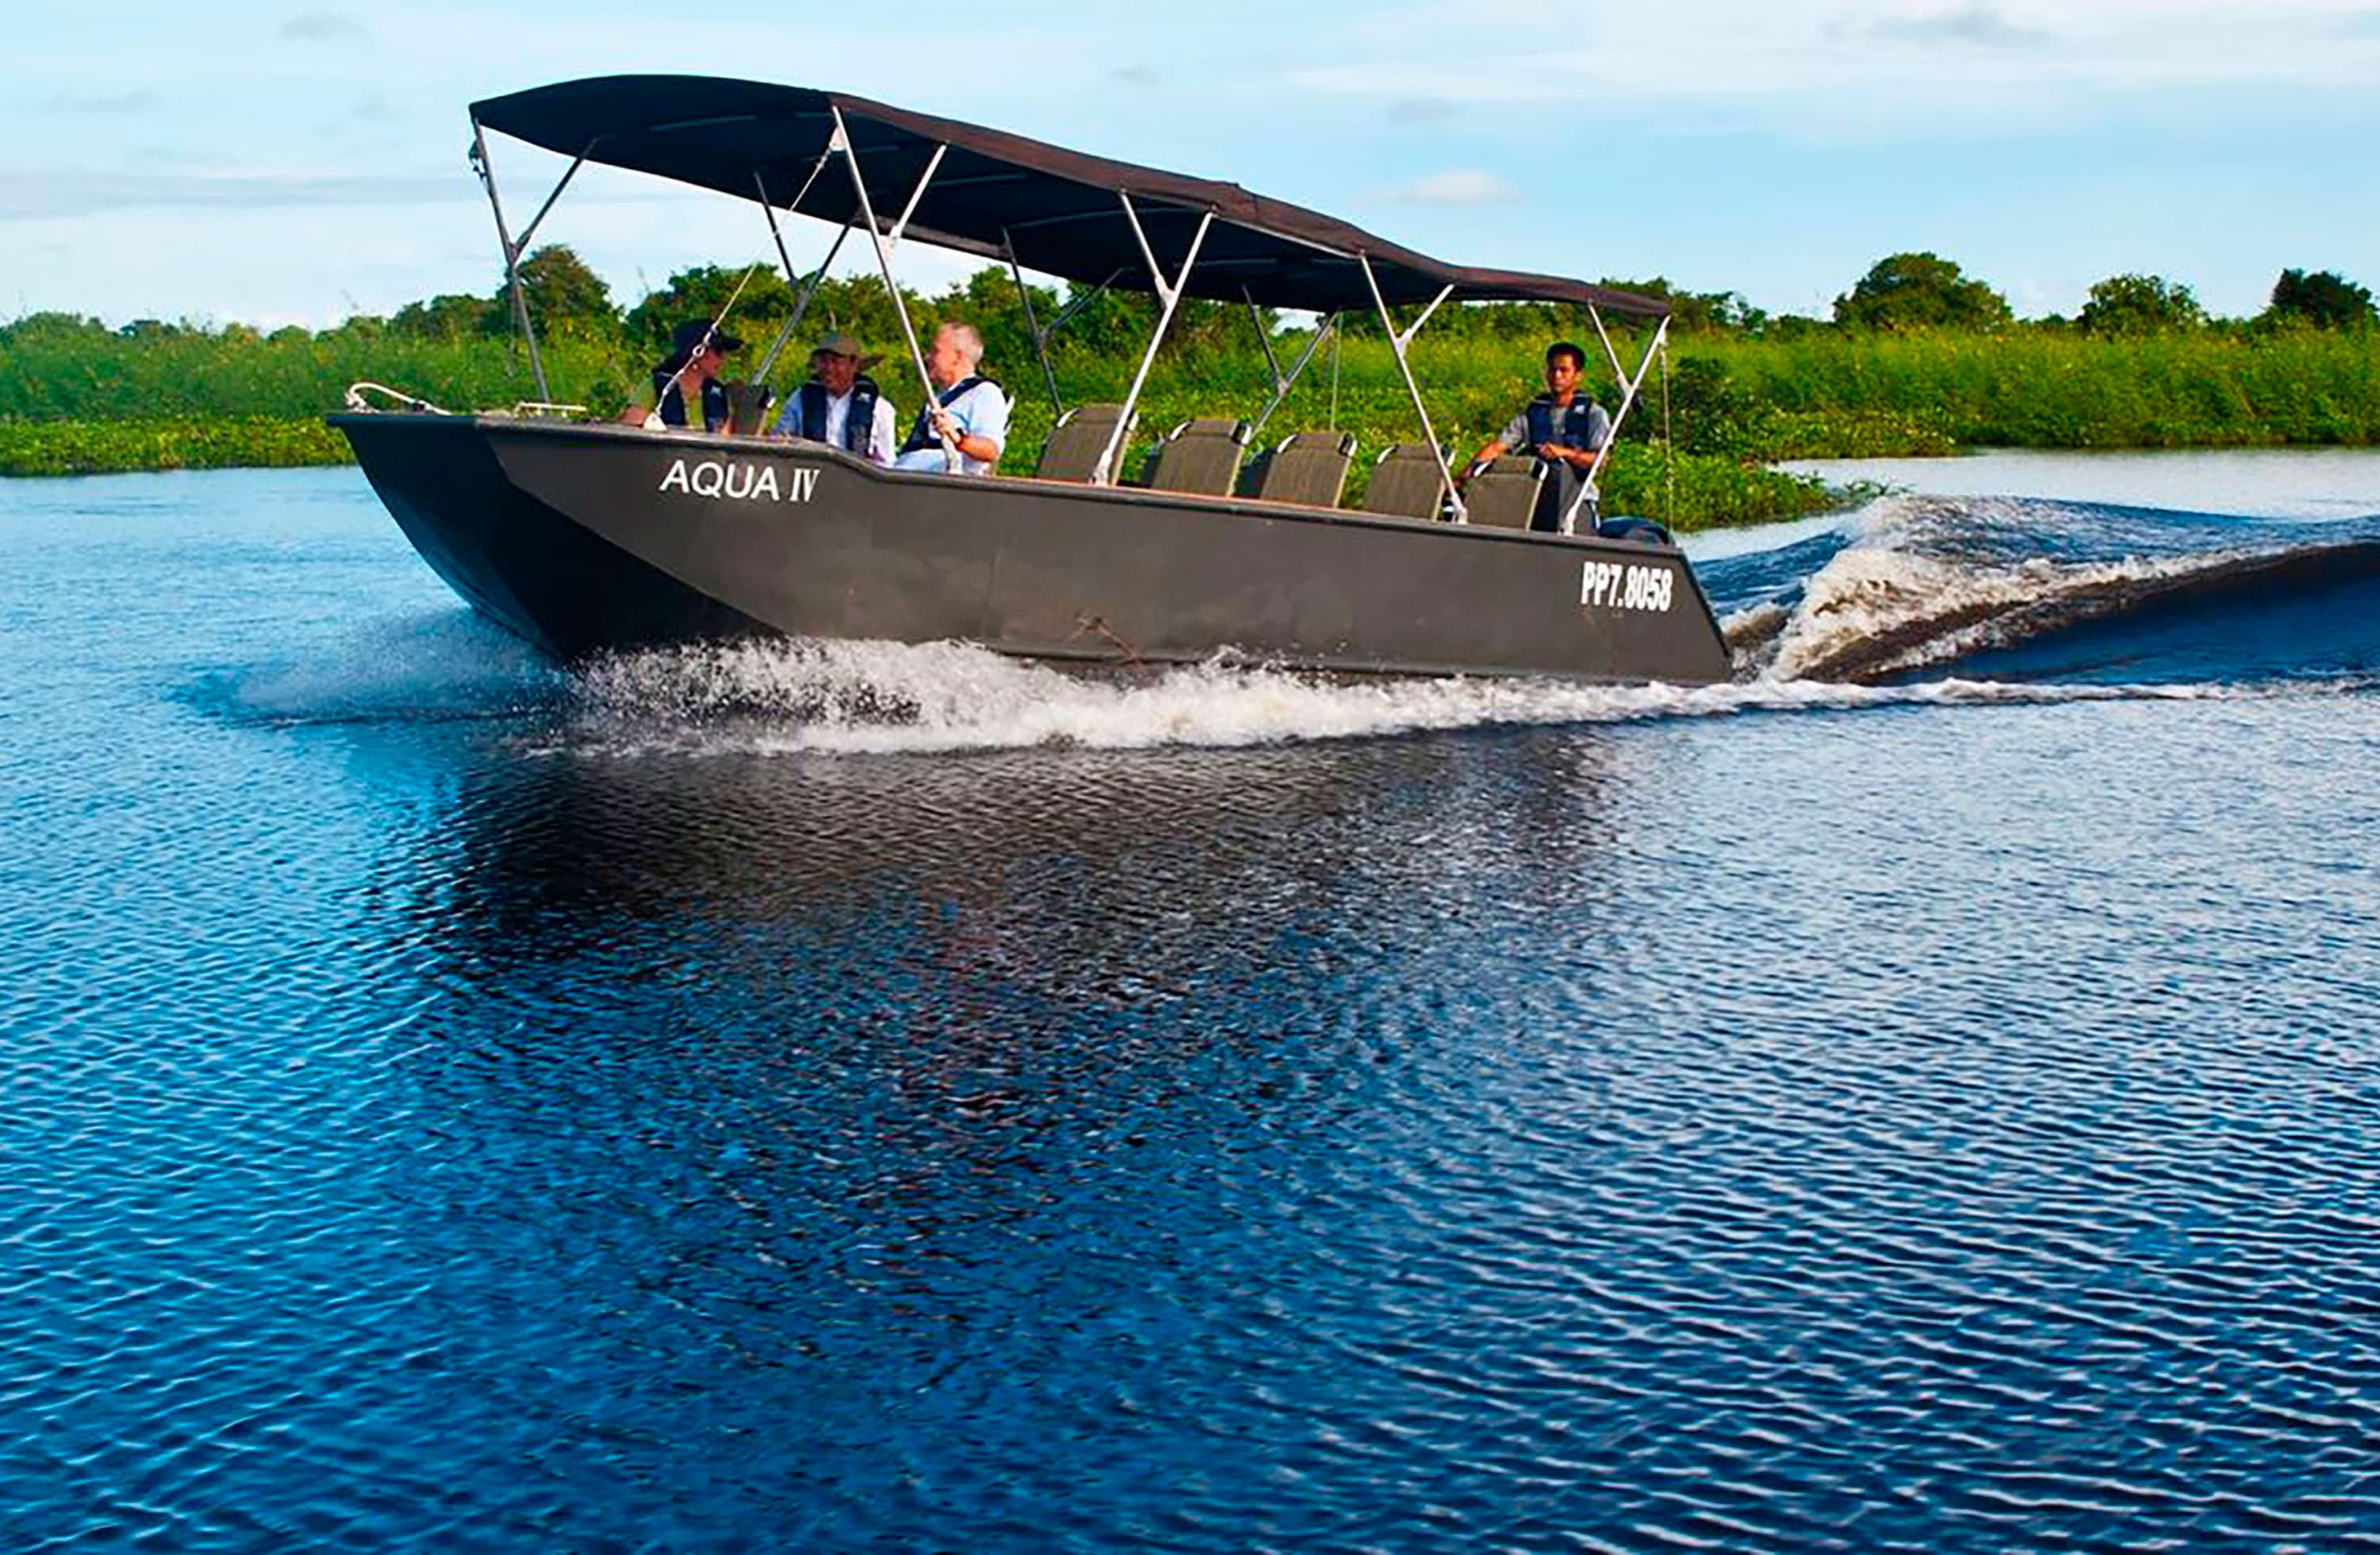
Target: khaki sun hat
(838,343)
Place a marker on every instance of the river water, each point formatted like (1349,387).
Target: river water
(1924,1097)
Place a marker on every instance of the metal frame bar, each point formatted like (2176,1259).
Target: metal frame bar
(893,239)
(1033,326)
(487,173)
(1077,303)
(1264,336)
(1170,294)
(521,243)
(804,290)
(1329,323)
(1611,352)
(842,141)
(1611,434)
(1397,343)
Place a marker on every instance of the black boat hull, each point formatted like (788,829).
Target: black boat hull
(586,538)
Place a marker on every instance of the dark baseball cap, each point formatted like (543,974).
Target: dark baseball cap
(687,337)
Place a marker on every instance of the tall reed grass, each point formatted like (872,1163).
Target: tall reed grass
(1732,402)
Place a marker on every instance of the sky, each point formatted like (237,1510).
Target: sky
(295,163)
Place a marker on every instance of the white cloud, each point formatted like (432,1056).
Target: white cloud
(1461,185)
(1778,63)
(1974,23)
(38,196)
(321,27)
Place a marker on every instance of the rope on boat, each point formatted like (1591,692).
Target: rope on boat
(354,400)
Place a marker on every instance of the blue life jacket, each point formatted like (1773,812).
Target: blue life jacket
(1575,422)
(856,424)
(672,401)
(921,434)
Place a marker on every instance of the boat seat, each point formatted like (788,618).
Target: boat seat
(1071,450)
(1406,483)
(1504,493)
(1308,467)
(1201,456)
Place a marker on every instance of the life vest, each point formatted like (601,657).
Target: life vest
(1575,421)
(922,435)
(857,422)
(670,401)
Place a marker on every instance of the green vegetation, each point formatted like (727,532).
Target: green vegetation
(167,442)
(1919,359)
(2324,299)
(1920,292)
(2140,305)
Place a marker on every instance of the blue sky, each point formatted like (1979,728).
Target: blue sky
(297,163)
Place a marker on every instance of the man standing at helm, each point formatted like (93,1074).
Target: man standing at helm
(841,405)
(968,409)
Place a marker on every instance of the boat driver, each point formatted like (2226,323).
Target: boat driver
(697,350)
(967,407)
(1563,428)
(841,405)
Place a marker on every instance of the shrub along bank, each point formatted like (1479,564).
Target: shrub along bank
(76,398)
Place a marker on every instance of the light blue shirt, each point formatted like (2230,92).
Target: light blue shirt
(982,411)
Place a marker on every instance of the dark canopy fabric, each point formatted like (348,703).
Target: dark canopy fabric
(997,194)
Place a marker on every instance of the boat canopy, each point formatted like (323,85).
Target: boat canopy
(1001,196)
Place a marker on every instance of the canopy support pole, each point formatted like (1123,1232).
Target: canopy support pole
(1611,352)
(479,165)
(803,289)
(1397,343)
(1264,337)
(1282,385)
(1032,324)
(520,244)
(1587,488)
(1169,293)
(893,239)
(841,142)
(1076,303)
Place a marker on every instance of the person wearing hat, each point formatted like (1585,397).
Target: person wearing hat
(841,405)
(697,350)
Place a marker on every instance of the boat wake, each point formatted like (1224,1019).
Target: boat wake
(1911,601)
(2050,592)
(767,697)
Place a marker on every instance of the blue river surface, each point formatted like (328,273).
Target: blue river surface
(1923,1096)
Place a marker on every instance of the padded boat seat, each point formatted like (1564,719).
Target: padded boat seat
(1071,450)
(1504,495)
(1406,483)
(1307,466)
(1202,456)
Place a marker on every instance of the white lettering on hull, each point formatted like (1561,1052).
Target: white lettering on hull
(740,481)
(1611,586)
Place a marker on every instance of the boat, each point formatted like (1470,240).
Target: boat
(584,536)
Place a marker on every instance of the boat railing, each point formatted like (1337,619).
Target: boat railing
(355,398)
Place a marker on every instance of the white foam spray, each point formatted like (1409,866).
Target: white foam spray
(779,698)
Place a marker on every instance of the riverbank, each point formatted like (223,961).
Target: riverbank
(89,402)
(1694,491)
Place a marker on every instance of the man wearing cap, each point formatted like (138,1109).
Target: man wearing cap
(967,407)
(841,405)
(697,350)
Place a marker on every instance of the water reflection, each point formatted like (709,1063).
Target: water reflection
(883,1029)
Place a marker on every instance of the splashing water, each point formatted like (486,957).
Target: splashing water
(1883,607)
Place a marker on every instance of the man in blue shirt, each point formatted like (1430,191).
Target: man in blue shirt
(967,407)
